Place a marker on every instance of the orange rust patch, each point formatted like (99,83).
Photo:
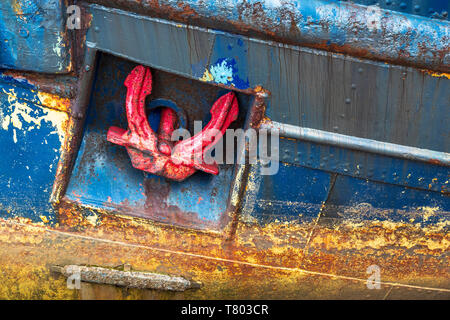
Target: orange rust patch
(179,253)
(53,101)
(402,250)
(436,74)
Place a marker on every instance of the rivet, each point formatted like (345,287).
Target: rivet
(402,5)
(388,2)
(347,101)
(360,70)
(353,86)
(87,68)
(417,8)
(96,29)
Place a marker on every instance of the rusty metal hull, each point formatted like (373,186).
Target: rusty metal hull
(363,167)
(258,262)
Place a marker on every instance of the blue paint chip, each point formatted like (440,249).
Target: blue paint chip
(225,71)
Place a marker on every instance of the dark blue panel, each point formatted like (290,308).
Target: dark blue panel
(33,37)
(375,167)
(295,194)
(30,141)
(357,199)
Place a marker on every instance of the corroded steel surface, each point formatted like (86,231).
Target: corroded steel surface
(274,261)
(126,278)
(322,251)
(62,85)
(34,36)
(33,127)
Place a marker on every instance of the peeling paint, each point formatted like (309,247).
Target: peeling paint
(20,116)
(33,36)
(207,76)
(225,72)
(222,72)
(53,101)
(275,251)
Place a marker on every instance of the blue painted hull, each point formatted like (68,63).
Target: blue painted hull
(364,113)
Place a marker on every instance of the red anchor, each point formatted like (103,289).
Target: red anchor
(156,153)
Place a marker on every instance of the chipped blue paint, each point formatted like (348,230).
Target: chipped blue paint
(282,197)
(33,36)
(321,197)
(30,135)
(222,71)
(229,65)
(428,8)
(358,200)
(6,79)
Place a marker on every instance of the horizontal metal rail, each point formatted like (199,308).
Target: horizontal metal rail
(355,143)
